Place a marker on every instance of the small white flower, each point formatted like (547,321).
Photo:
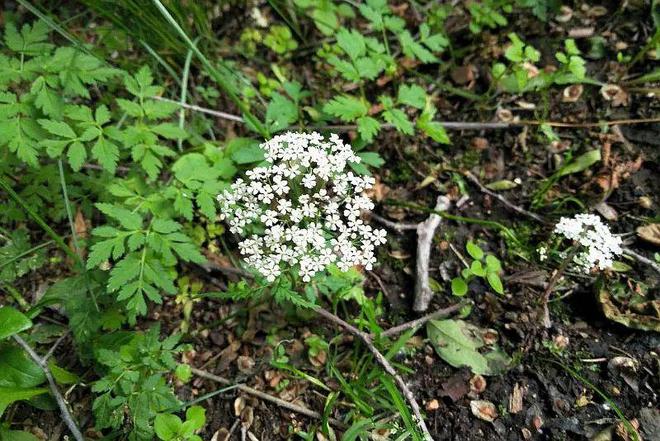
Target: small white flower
(598,246)
(317,225)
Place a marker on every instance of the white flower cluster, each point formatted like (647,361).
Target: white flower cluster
(302,210)
(587,230)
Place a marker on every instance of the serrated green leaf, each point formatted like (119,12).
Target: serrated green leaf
(59,128)
(106,153)
(169,131)
(368,127)
(124,271)
(76,155)
(351,42)
(281,112)
(412,95)
(126,218)
(346,107)
(400,121)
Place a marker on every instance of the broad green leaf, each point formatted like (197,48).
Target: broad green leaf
(12,322)
(458,286)
(196,415)
(245,151)
(167,426)
(459,344)
(61,375)
(183,372)
(477,268)
(580,163)
(474,250)
(16,435)
(17,369)
(9,395)
(495,282)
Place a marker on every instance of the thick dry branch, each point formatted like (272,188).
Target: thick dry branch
(366,339)
(425,233)
(61,403)
(264,396)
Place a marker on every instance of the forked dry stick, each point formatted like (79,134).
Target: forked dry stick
(366,339)
(59,399)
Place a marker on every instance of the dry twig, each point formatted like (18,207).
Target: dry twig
(642,259)
(502,199)
(61,403)
(267,397)
(366,339)
(440,313)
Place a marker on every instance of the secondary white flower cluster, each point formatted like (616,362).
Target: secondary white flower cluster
(302,210)
(600,245)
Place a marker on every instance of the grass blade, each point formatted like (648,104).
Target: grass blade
(252,120)
(59,240)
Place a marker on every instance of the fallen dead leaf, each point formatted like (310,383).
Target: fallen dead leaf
(484,410)
(615,94)
(650,233)
(478,384)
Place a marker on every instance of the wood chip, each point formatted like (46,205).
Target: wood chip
(516,399)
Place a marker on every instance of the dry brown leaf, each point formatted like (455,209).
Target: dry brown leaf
(650,233)
(484,410)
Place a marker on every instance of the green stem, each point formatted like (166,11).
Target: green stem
(184,95)
(470,220)
(41,222)
(67,205)
(17,296)
(249,117)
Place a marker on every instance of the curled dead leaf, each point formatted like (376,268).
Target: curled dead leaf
(572,93)
(484,410)
(504,115)
(478,384)
(615,94)
(245,364)
(565,14)
(650,233)
(239,405)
